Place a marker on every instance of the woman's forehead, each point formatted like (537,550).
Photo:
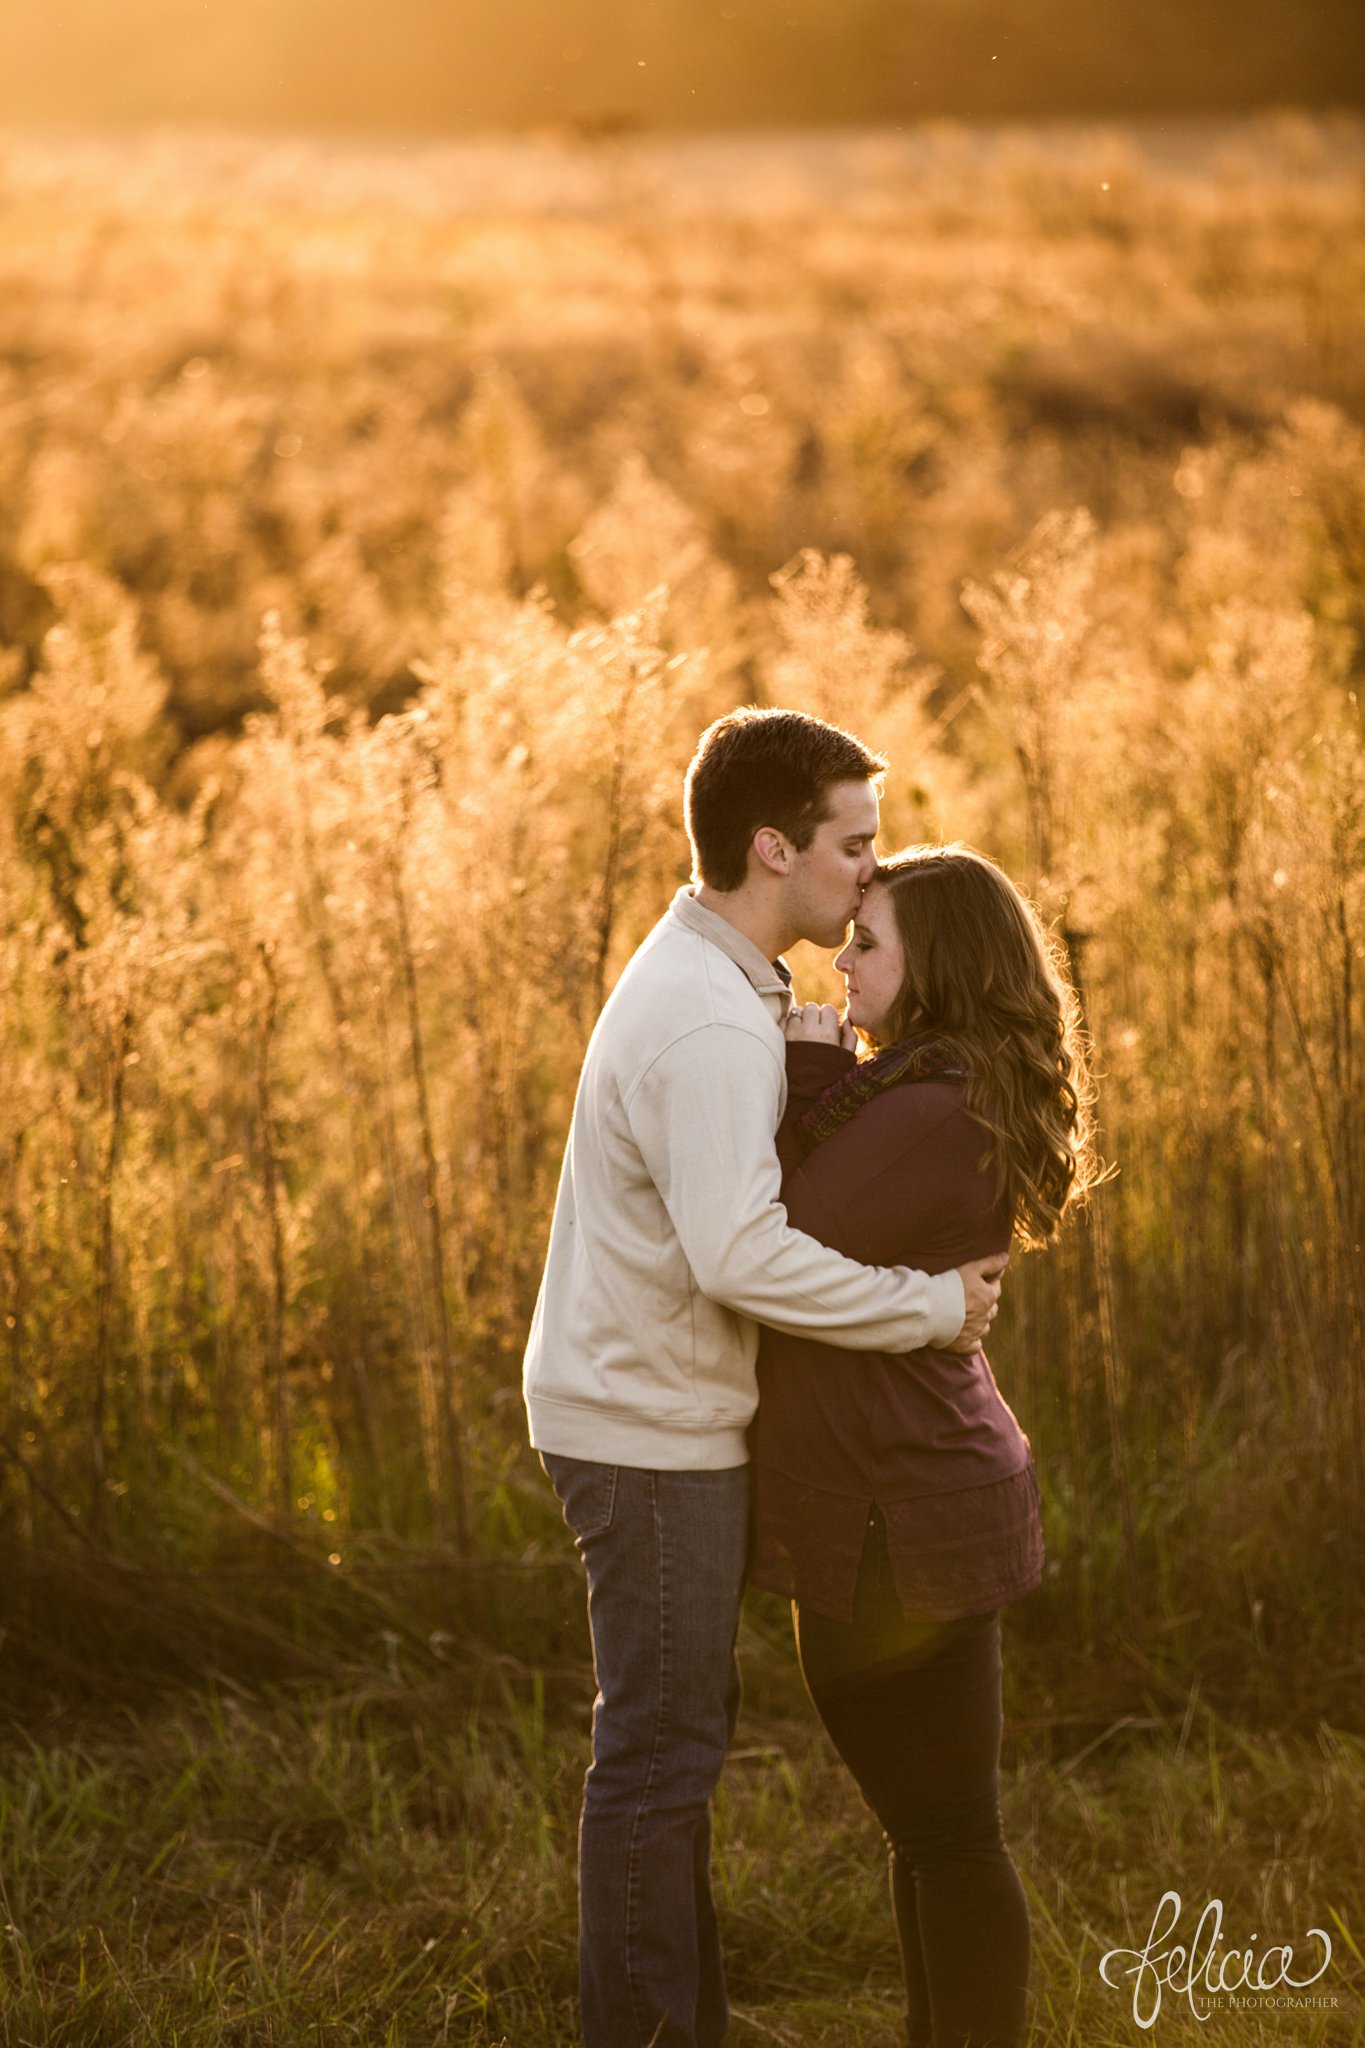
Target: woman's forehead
(876,913)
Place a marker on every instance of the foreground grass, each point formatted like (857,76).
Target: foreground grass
(393,1864)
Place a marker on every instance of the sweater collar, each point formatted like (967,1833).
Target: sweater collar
(769,977)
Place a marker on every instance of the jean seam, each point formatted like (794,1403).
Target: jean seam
(642,1804)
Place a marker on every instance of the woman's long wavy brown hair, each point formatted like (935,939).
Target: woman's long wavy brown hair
(983,972)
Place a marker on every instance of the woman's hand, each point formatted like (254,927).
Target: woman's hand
(818,1024)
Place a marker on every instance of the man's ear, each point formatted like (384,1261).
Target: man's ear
(773,850)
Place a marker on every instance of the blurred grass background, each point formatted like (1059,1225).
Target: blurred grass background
(594,65)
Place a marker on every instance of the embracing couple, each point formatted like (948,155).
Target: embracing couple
(757,1351)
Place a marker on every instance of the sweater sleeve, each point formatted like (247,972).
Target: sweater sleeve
(811,1068)
(703,1117)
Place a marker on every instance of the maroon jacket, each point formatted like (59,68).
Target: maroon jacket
(925,1436)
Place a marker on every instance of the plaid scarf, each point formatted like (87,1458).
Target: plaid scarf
(912,1059)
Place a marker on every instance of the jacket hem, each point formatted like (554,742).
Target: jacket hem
(567,1430)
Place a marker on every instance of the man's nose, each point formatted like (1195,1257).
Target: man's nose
(867,869)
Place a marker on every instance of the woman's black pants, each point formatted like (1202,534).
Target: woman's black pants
(913,1708)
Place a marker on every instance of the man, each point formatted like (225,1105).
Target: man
(669,1244)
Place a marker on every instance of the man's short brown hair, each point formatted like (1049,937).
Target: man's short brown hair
(755,768)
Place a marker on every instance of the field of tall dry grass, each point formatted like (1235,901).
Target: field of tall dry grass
(377,532)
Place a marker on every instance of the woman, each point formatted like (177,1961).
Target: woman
(895,1497)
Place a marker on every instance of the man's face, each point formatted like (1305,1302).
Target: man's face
(825,884)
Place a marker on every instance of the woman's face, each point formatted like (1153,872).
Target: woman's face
(873,963)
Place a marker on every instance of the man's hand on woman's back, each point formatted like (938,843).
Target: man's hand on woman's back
(981,1286)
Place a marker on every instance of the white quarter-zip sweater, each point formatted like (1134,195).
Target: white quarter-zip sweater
(669,1242)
